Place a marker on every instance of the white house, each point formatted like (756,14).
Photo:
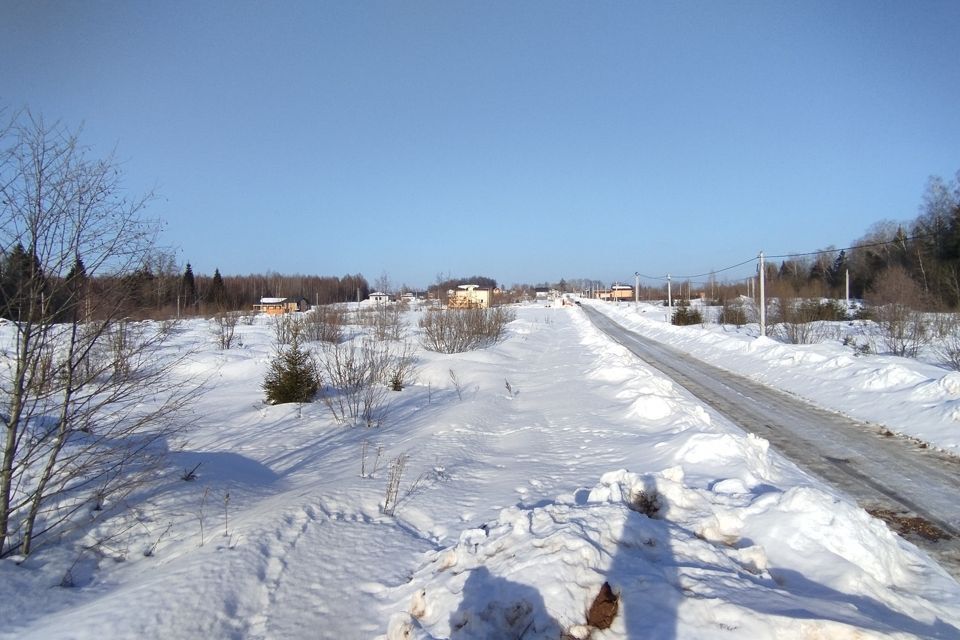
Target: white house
(379,298)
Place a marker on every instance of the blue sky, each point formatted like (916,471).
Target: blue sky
(525,141)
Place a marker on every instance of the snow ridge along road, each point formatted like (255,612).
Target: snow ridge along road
(883,474)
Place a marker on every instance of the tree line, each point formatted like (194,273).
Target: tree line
(156,288)
(925,251)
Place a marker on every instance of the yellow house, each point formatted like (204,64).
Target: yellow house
(616,292)
(280,306)
(621,292)
(469,296)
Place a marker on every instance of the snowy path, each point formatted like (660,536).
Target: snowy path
(879,472)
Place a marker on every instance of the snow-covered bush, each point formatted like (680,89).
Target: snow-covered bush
(459,330)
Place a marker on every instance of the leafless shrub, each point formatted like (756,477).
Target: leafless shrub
(732,312)
(364,447)
(286,328)
(357,373)
(392,494)
(324,324)
(947,331)
(897,297)
(403,369)
(388,322)
(459,330)
(224,328)
(152,549)
(457,385)
(803,321)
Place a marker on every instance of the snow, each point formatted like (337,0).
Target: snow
(520,498)
(912,397)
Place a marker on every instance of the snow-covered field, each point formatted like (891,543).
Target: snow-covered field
(560,463)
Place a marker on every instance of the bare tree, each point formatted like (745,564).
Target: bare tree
(86,405)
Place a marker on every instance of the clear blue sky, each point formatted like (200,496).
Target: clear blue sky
(525,141)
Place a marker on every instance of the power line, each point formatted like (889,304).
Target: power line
(793,255)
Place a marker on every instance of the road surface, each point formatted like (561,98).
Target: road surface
(916,490)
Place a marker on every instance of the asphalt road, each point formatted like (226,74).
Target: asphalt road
(918,488)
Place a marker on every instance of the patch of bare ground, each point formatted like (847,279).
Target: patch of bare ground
(906,524)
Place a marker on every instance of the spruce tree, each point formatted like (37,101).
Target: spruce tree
(74,294)
(189,286)
(293,376)
(23,286)
(217,290)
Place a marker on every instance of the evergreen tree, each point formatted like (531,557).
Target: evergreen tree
(293,376)
(217,290)
(23,285)
(836,275)
(74,294)
(188,286)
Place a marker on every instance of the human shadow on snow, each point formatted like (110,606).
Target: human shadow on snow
(494,607)
(655,578)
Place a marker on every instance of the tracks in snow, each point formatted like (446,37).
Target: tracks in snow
(888,476)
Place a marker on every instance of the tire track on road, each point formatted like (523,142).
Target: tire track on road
(890,474)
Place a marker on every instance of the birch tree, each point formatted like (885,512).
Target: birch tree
(86,406)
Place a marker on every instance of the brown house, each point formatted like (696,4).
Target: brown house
(280,306)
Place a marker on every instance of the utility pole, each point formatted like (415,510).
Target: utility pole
(763,301)
(669,295)
(848,288)
(636,290)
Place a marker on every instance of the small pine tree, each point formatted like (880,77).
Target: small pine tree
(686,316)
(293,376)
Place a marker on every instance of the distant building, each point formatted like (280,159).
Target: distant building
(616,292)
(469,296)
(621,292)
(280,306)
(378,297)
